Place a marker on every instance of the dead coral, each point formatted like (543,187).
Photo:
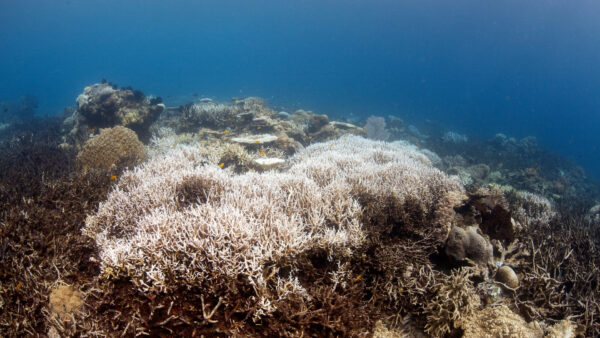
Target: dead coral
(455,299)
(498,321)
(287,251)
(113,146)
(560,275)
(41,243)
(65,301)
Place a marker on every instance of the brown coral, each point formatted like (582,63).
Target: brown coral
(113,146)
(455,300)
(101,105)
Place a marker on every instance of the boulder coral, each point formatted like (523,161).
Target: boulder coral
(113,146)
(102,105)
(463,244)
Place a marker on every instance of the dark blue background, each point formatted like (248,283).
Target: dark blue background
(480,67)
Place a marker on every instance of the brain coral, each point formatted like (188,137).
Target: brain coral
(117,145)
(180,221)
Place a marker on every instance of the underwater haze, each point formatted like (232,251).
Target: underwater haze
(476,67)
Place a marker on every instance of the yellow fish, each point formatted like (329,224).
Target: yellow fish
(257,141)
(259,127)
(113,177)
(262,153)
(221,165)
(226,132)
(202,141)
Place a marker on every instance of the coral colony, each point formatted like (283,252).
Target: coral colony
(125,217)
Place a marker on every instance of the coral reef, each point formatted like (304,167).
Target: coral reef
(455,299)
(257,227)
(468,244)
(249,222)
(112,147)
(102,105)
(498,321)
(44,204)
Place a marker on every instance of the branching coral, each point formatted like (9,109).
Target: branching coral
(179,221)
(560,273)
(455,300)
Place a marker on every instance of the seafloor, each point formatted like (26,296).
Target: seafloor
(124,217)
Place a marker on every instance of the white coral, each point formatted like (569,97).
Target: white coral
(245,223)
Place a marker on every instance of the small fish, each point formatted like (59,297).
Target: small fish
(221,165)
(174,146)
(257,141)
(226,132)
(202,141)
(19,285)
(359,277)
(37,198)
(310,137)
(259,128)
(262,153)
(113,177)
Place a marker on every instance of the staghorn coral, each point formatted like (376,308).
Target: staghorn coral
(530,209)
(44,203)
(207,114)
(256,244)
(560,275)
(455,299)
(117,145)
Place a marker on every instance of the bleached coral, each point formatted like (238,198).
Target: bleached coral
(499,321)
(530,208)
(207,114)
(182,220)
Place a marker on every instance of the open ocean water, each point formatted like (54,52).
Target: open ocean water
(479,68)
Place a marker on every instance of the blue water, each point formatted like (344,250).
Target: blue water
(479,67)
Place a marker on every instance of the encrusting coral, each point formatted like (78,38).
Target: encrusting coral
(117,145)
(241,238)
